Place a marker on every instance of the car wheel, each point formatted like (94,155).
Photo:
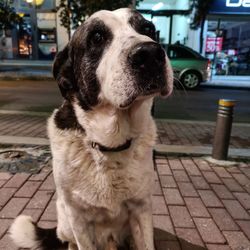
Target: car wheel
(191,80)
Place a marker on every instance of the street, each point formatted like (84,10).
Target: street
(38,96)
(201,104)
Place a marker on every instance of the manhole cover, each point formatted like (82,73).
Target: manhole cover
(29,160)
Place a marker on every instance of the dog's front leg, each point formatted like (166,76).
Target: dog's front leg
(81,230)
(142,227)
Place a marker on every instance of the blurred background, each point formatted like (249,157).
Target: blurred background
(207,41)
(217,29)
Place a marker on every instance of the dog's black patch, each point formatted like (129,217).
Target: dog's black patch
(63,73)
(75,67)
(141,25)
(48,239)
(65,117)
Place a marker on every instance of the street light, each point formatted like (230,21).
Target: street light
(37,2)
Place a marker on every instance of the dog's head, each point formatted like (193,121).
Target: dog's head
(113,58)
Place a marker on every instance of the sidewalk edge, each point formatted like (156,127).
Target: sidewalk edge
(178,150)
(23,140)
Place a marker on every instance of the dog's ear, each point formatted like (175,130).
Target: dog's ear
(63,72)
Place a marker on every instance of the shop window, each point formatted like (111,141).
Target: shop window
(229,47)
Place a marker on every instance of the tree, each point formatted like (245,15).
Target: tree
(74,12)
(8,17)
(201,10)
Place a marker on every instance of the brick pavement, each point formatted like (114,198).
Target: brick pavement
(196,204)
(170,133)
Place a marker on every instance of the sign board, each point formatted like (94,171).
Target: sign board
(214,44)
(241,7)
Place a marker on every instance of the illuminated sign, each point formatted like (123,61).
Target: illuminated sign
(238,3)
(214,44)
(230,7)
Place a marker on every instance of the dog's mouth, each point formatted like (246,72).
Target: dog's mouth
(151,90)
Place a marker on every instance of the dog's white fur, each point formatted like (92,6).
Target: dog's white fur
(22,231)
(93,186)
(105,193)
(116,81)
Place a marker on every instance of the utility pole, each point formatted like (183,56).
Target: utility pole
(34,29)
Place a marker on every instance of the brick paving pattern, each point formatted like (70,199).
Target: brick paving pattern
(30,126)
(198,134)
(170,133)
(191,214)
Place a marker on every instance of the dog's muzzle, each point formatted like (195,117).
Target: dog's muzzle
(147,61)
(145,55)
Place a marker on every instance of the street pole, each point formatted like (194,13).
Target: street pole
(223,129)
(33,16)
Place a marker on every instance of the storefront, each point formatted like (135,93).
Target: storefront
(171,18)
(36,38)
(227,41)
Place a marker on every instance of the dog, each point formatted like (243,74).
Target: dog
(102,136)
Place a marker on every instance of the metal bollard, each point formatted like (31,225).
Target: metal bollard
(223,129)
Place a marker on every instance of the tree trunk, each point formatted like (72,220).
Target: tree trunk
(201,34)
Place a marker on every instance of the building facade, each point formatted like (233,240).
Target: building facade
(172,20)
(226,35)
(39,37)
(227,38)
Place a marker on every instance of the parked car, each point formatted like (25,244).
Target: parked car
(190,68)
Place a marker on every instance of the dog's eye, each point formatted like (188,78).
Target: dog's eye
(148,29)
(97,38)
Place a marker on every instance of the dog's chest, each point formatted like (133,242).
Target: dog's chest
(110,188)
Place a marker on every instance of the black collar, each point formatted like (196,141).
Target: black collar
(120,148)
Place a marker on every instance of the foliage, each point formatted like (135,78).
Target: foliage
(200,12)
(201,9)
(8,16)
(74,12)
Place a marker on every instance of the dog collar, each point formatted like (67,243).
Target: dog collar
(120,148)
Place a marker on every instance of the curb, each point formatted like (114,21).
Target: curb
(24,140)
(23,77)
(160,149)
(177,150)
(227,85)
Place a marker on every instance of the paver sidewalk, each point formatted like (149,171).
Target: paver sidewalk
(169,132)
(197,204)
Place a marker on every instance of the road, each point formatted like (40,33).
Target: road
(202,104)
(44,96)
(40,96)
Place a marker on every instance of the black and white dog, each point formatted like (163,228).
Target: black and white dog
(102,136)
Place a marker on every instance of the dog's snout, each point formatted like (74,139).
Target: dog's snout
(146,55)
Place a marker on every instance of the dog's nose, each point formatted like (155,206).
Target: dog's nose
(146,55)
